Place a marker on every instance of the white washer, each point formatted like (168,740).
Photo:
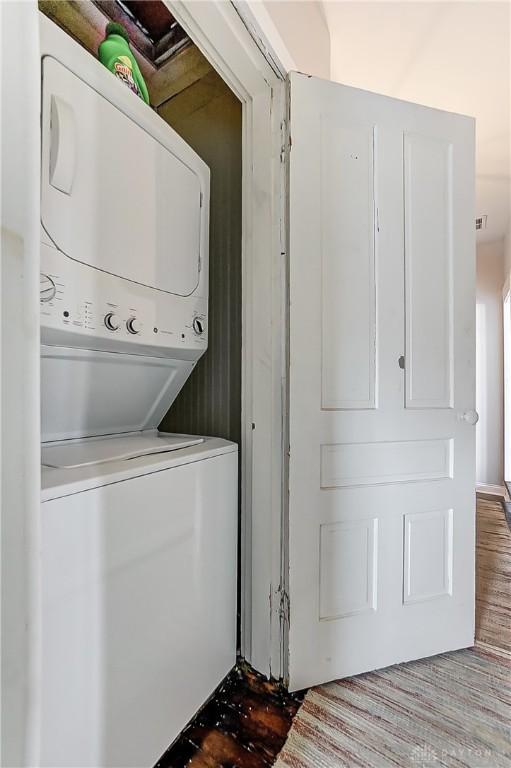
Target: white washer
(138,593)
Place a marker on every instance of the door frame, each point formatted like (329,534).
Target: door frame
(20,445)
(242,44)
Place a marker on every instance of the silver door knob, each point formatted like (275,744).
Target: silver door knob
(471,417)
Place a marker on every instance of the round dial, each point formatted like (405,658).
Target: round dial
(198,325)
(46,287)
(112,321)
(134,325)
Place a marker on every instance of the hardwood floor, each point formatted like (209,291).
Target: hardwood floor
(244,725)
(493,575)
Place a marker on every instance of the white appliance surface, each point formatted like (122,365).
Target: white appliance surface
(132,206)
(87,393)
(124,256)
(101,450)
(59,481)
(124,251)
(139,542)
(138,601)
(82,301)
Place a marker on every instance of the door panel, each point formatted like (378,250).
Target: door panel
(348,285)
(381,468)
(428,271)
(428,555)
(347,568)
(375,463)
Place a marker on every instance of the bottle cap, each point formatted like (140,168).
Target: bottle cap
(113,28)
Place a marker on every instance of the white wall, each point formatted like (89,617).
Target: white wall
(489,364)
(303,29)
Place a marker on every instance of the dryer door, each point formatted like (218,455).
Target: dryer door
(113,197)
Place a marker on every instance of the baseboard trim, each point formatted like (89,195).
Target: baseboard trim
(493,491)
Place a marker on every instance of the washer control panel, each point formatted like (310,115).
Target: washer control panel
(134,325)
(112,321)
(93,305)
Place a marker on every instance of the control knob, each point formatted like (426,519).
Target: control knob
(134,325)
(47,288)
(112,321)
(198,325)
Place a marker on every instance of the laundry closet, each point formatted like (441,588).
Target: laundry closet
(141,212)
(355,219)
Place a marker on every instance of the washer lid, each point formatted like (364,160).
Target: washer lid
(100,450)
(85,393)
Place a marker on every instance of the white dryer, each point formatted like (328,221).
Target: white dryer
(124,251)
(138,528)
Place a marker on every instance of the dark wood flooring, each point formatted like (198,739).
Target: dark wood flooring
(244,725)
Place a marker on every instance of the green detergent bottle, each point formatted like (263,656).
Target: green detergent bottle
(115,53)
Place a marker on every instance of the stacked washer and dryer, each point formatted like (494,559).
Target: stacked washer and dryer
(138,555)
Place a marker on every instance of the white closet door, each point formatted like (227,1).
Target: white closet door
(382,346)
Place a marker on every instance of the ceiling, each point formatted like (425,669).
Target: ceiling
(449,55)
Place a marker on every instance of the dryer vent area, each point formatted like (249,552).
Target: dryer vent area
(192,98)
